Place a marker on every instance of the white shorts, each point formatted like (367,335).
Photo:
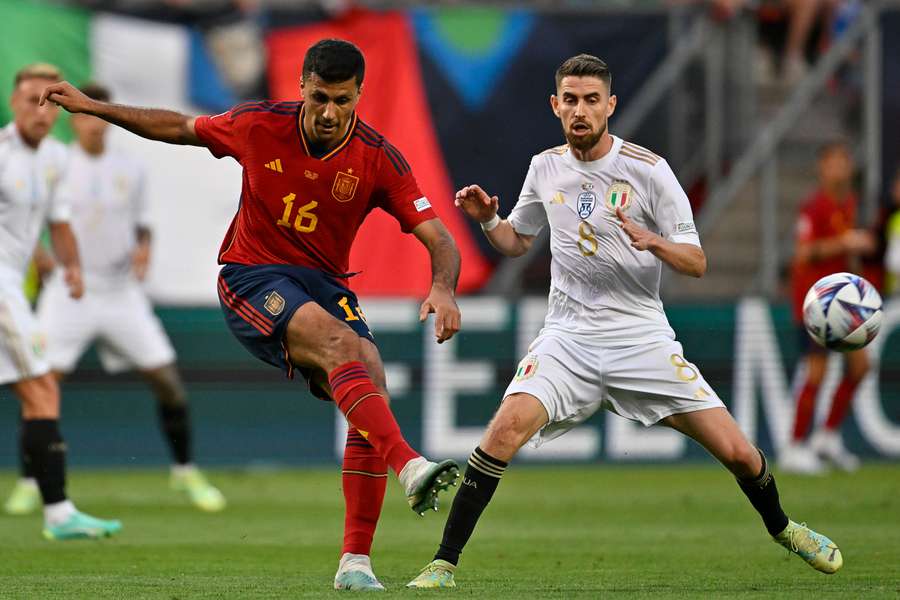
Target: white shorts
(21,339)
(644,383)
(122,322)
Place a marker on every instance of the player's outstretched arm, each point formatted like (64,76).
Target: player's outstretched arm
(482,208)
(444,275)
(152,123)
(66,249)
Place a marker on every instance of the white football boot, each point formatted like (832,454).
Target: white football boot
(827,445)
(799,459)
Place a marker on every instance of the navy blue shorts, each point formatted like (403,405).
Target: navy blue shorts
(259,300)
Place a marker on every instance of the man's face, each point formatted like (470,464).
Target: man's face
(583,105)
(836,167)
(89,129)
(327,108)
(34,122)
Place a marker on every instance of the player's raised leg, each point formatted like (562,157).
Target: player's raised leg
(175,423)
(44,451)
(364,482)
(517,420)
(316,339)
(716,430)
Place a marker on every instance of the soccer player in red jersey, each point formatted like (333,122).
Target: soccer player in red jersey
(827,242)
(312,171)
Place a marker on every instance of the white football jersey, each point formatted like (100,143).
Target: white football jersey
(601,286)
(28,183)
(106,195)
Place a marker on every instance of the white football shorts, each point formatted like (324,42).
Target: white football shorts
(573,378)
(121,321)
(22,353)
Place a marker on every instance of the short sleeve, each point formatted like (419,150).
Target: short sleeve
(220,134)
(529,215)
(671,207)
(399,194)
(60,209)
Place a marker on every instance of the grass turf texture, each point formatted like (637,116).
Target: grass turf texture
(551,532)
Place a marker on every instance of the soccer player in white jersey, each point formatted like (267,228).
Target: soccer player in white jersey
(616,214)
(105,191)
(31,165)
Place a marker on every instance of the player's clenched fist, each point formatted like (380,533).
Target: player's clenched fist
(68,96)
(475,202)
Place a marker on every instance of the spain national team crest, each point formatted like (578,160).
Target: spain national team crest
(527,368)
(619,195)
(274,303)
(587,200)
(344,187)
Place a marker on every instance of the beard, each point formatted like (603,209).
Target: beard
(583,143)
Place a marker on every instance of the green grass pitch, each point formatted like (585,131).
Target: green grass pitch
(551,532)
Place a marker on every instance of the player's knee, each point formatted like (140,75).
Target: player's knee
(40,398)
(167,386)
(506,434)
(341,346)
(742,459)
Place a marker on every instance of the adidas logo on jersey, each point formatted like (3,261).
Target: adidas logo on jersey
(275,165)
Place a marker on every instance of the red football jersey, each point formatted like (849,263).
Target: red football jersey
(821,217)
(301,209)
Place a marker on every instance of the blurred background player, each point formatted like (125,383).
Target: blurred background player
(828,241)
(31,165)
(892,240)
(106,193)
(313,171)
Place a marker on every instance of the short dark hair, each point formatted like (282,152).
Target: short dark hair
(832,146)
(95,91)
(37,71)
(584,65)
(335,61)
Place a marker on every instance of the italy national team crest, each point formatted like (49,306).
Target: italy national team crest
(344,187)
(527,368)
(619,195)
(587,200)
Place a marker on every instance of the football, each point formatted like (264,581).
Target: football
(842,312)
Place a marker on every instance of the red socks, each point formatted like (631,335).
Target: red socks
(806,406)
(840,405)
(364,478)
(366,410)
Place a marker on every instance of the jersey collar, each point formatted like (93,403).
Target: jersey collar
(340,146)
(600,163)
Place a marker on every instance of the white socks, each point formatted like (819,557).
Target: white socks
(58,512)
(181,470)
(355,562)
(410,471)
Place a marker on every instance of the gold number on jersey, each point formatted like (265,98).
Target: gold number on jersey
(344,303)
(587,241)
(683,369)
(305,221)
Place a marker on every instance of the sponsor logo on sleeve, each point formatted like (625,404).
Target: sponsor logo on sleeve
(422,204)
(685,227)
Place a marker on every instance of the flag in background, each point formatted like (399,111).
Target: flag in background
(194,196)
